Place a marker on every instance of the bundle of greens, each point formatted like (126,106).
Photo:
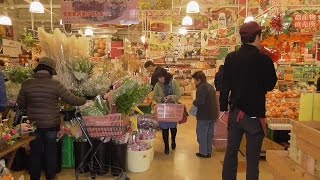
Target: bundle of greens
(19,74)
(129,95)
(81,69)
(93,87)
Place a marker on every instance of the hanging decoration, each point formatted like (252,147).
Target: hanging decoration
(276,24)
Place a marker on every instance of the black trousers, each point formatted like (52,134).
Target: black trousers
(46,144)
(253,130)
(165,136)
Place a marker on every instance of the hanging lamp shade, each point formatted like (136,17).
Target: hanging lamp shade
(88,32)
(36,7)
(143,39)
(183,31)
(5,20)
(187,21)
(249,19)
(193,7)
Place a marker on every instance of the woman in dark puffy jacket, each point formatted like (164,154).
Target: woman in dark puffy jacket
(40,96)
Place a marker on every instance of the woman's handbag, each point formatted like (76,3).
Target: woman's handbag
(185,116)
(193,111)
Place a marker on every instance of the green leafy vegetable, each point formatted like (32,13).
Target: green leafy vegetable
(19,74)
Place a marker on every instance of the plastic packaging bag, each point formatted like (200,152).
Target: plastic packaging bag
(91,111)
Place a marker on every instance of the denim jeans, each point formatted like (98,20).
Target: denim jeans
(205,130)
(46,144)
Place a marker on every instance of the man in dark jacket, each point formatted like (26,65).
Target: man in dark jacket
(248,75)
(207,113)
(3,92)
(40,97)
(151,67)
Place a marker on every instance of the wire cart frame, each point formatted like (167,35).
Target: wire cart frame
(90,160)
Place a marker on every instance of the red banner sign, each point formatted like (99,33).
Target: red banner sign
(123,12)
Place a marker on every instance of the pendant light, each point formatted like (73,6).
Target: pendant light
(193,7)
(187,21)
(5,20)
(183,31)
(143,39)
(36,7)
(249,19)
(88,32)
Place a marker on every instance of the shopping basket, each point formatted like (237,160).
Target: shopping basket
(168,112)
(101,127)
(106,126)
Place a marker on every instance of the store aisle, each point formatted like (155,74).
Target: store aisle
(182,164)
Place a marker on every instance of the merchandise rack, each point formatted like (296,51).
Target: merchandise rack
(90,160)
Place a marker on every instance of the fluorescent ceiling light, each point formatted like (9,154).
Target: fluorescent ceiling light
(5,20)
(88,32)
(183,31)
(249,19)
(193,7)
(36,7)
(187,21)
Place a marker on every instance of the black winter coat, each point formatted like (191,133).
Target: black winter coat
(248,75)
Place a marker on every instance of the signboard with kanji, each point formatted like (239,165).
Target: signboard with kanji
(306,21)
(123,12)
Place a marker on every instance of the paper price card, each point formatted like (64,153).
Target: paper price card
(134,123)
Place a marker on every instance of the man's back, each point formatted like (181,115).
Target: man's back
(248,74)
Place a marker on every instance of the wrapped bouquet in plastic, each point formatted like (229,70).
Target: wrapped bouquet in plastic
(147,122)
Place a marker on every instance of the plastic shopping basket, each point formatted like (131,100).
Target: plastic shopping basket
(106,126)
(169,112)
(101,127)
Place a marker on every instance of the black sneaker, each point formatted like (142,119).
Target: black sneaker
(173,146)
(166,151)
(203,156)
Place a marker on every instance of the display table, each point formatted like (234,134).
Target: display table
(11,150)
(284,168)
(267,145)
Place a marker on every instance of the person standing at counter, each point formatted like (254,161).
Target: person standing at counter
(152,68)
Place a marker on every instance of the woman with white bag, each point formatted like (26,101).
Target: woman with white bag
(205,110)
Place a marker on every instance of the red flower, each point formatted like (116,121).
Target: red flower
(7,137)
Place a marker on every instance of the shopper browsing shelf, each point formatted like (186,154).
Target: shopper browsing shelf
(40,97)
(248,75)
(207,113)
(3,92)
(167,91)
(151,67)
(218,78)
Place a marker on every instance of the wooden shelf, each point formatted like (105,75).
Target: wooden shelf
(284,168)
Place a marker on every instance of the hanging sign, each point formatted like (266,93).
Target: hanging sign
(307,20)
(124,12)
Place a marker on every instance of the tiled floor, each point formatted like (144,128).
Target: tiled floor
(182,164)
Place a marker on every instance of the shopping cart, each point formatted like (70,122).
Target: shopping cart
(101,127)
